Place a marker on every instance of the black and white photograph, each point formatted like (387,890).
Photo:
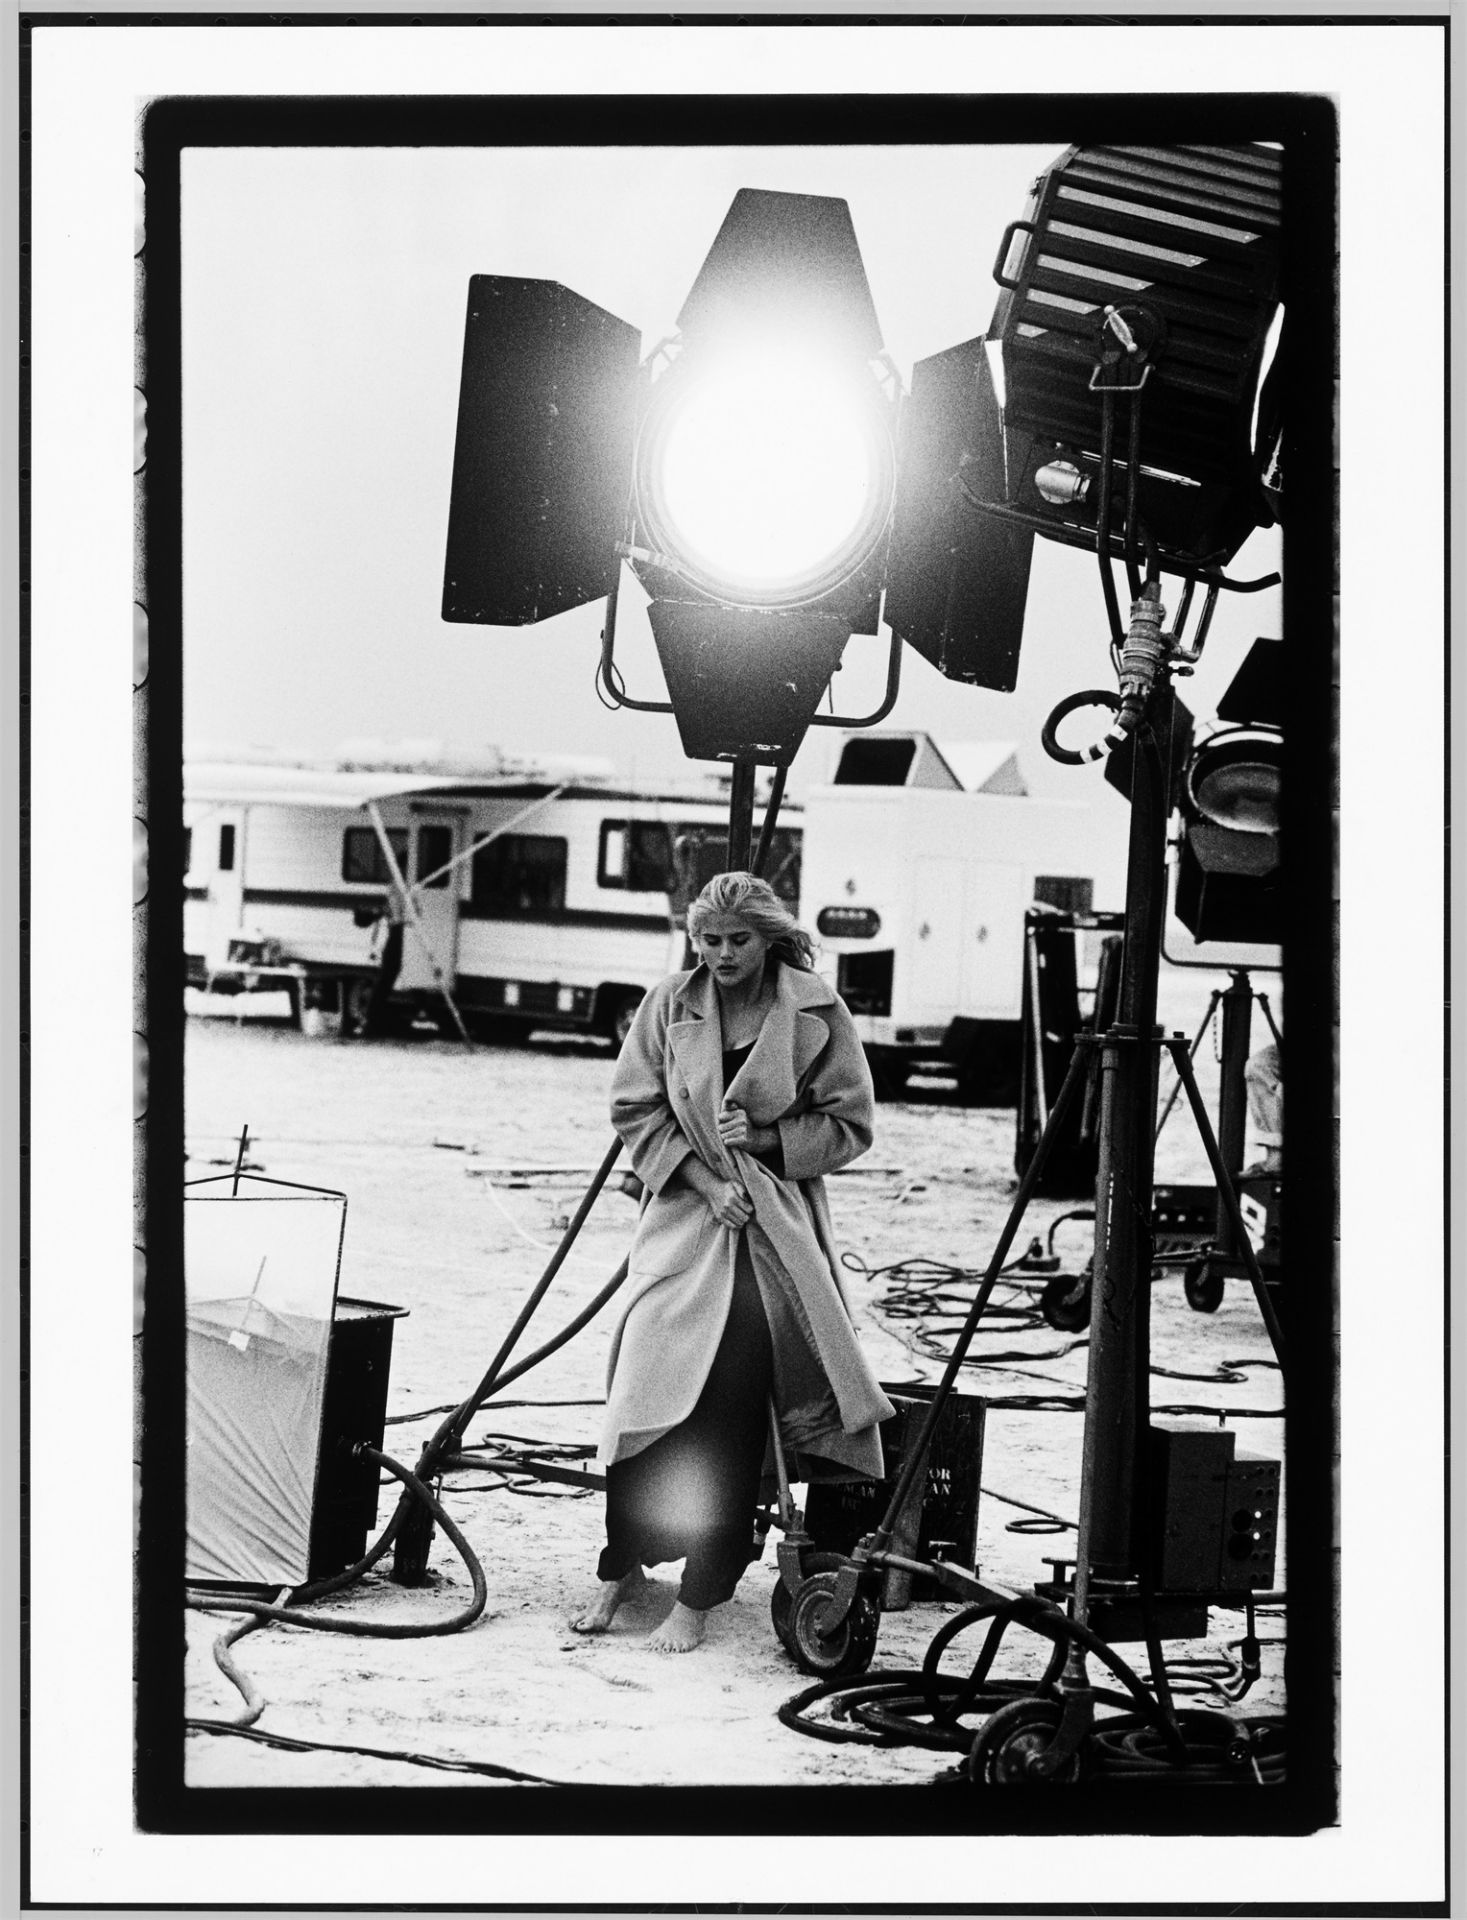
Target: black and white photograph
(734,759)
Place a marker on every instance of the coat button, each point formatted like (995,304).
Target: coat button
(685,1093)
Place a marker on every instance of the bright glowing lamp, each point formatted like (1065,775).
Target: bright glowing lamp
(766,476)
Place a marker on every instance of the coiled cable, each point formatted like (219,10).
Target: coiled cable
(378,1630)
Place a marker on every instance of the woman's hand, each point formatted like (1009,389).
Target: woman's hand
(736,1129)
(726,1199)
(730,1205)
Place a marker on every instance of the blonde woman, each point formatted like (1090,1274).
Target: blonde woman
(740,1085)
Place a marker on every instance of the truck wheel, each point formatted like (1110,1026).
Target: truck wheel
(497,1030)
(890,1072)
(619,1020)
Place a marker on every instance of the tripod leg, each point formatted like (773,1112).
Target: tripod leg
(1171,1099)
(1228,1195)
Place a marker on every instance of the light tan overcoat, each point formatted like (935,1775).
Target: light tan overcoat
(806,1076)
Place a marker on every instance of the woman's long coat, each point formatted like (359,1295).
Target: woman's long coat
(806,1076)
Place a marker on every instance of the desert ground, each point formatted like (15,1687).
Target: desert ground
(461,1170)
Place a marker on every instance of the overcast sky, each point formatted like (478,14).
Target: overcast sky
(323,308)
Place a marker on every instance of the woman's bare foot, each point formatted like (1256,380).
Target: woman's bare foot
(680,1632)
(609,1596)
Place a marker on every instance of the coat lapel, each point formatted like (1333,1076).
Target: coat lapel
(695,1038)
(792,1036)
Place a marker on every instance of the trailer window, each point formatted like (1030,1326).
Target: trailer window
(519,873)
(636,855)
(611,862)
(435,850)
(1069,893)
(700,850)
(188,848)
(875,763)
(782,869)
(226,849)
(362,858)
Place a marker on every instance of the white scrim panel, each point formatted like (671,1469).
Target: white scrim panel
(260,1283)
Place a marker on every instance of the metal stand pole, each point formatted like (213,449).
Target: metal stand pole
(1117,1394)
(1232,1106)
(741,814)
(771,815)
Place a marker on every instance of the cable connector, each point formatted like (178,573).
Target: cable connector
(1145,651)
(1036,1260)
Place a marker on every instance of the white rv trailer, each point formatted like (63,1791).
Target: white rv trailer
(918,864)
(534,901)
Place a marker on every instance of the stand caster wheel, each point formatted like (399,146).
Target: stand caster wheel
(1011,1740)
(848,1649)
(782,1601)
(1203,1287)
(1065,1302)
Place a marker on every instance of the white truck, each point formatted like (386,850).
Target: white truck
(919,862)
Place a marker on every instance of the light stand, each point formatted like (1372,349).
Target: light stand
(832,1615)
(1116,1409)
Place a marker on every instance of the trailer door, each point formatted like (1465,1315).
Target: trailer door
(936,951)
(218,850)
(437,840)
(993,957)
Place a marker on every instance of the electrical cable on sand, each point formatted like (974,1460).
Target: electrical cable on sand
(289,1744)
(920,1287)
(540,1246)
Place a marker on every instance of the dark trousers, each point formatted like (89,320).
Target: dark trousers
(693,1492)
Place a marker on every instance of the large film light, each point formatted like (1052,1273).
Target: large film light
(1229,882)
(1140,287)
(1184,243)
(746,471)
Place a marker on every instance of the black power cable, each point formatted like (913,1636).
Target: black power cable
(289,1744)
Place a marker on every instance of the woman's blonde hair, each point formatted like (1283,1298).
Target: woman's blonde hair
(756,903)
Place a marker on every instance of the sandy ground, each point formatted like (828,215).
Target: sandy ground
(432,1146)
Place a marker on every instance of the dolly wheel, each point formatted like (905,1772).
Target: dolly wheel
(782,1601)
(1203,1287)
(846,1650)
(1065,1302)
(1011,1740)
